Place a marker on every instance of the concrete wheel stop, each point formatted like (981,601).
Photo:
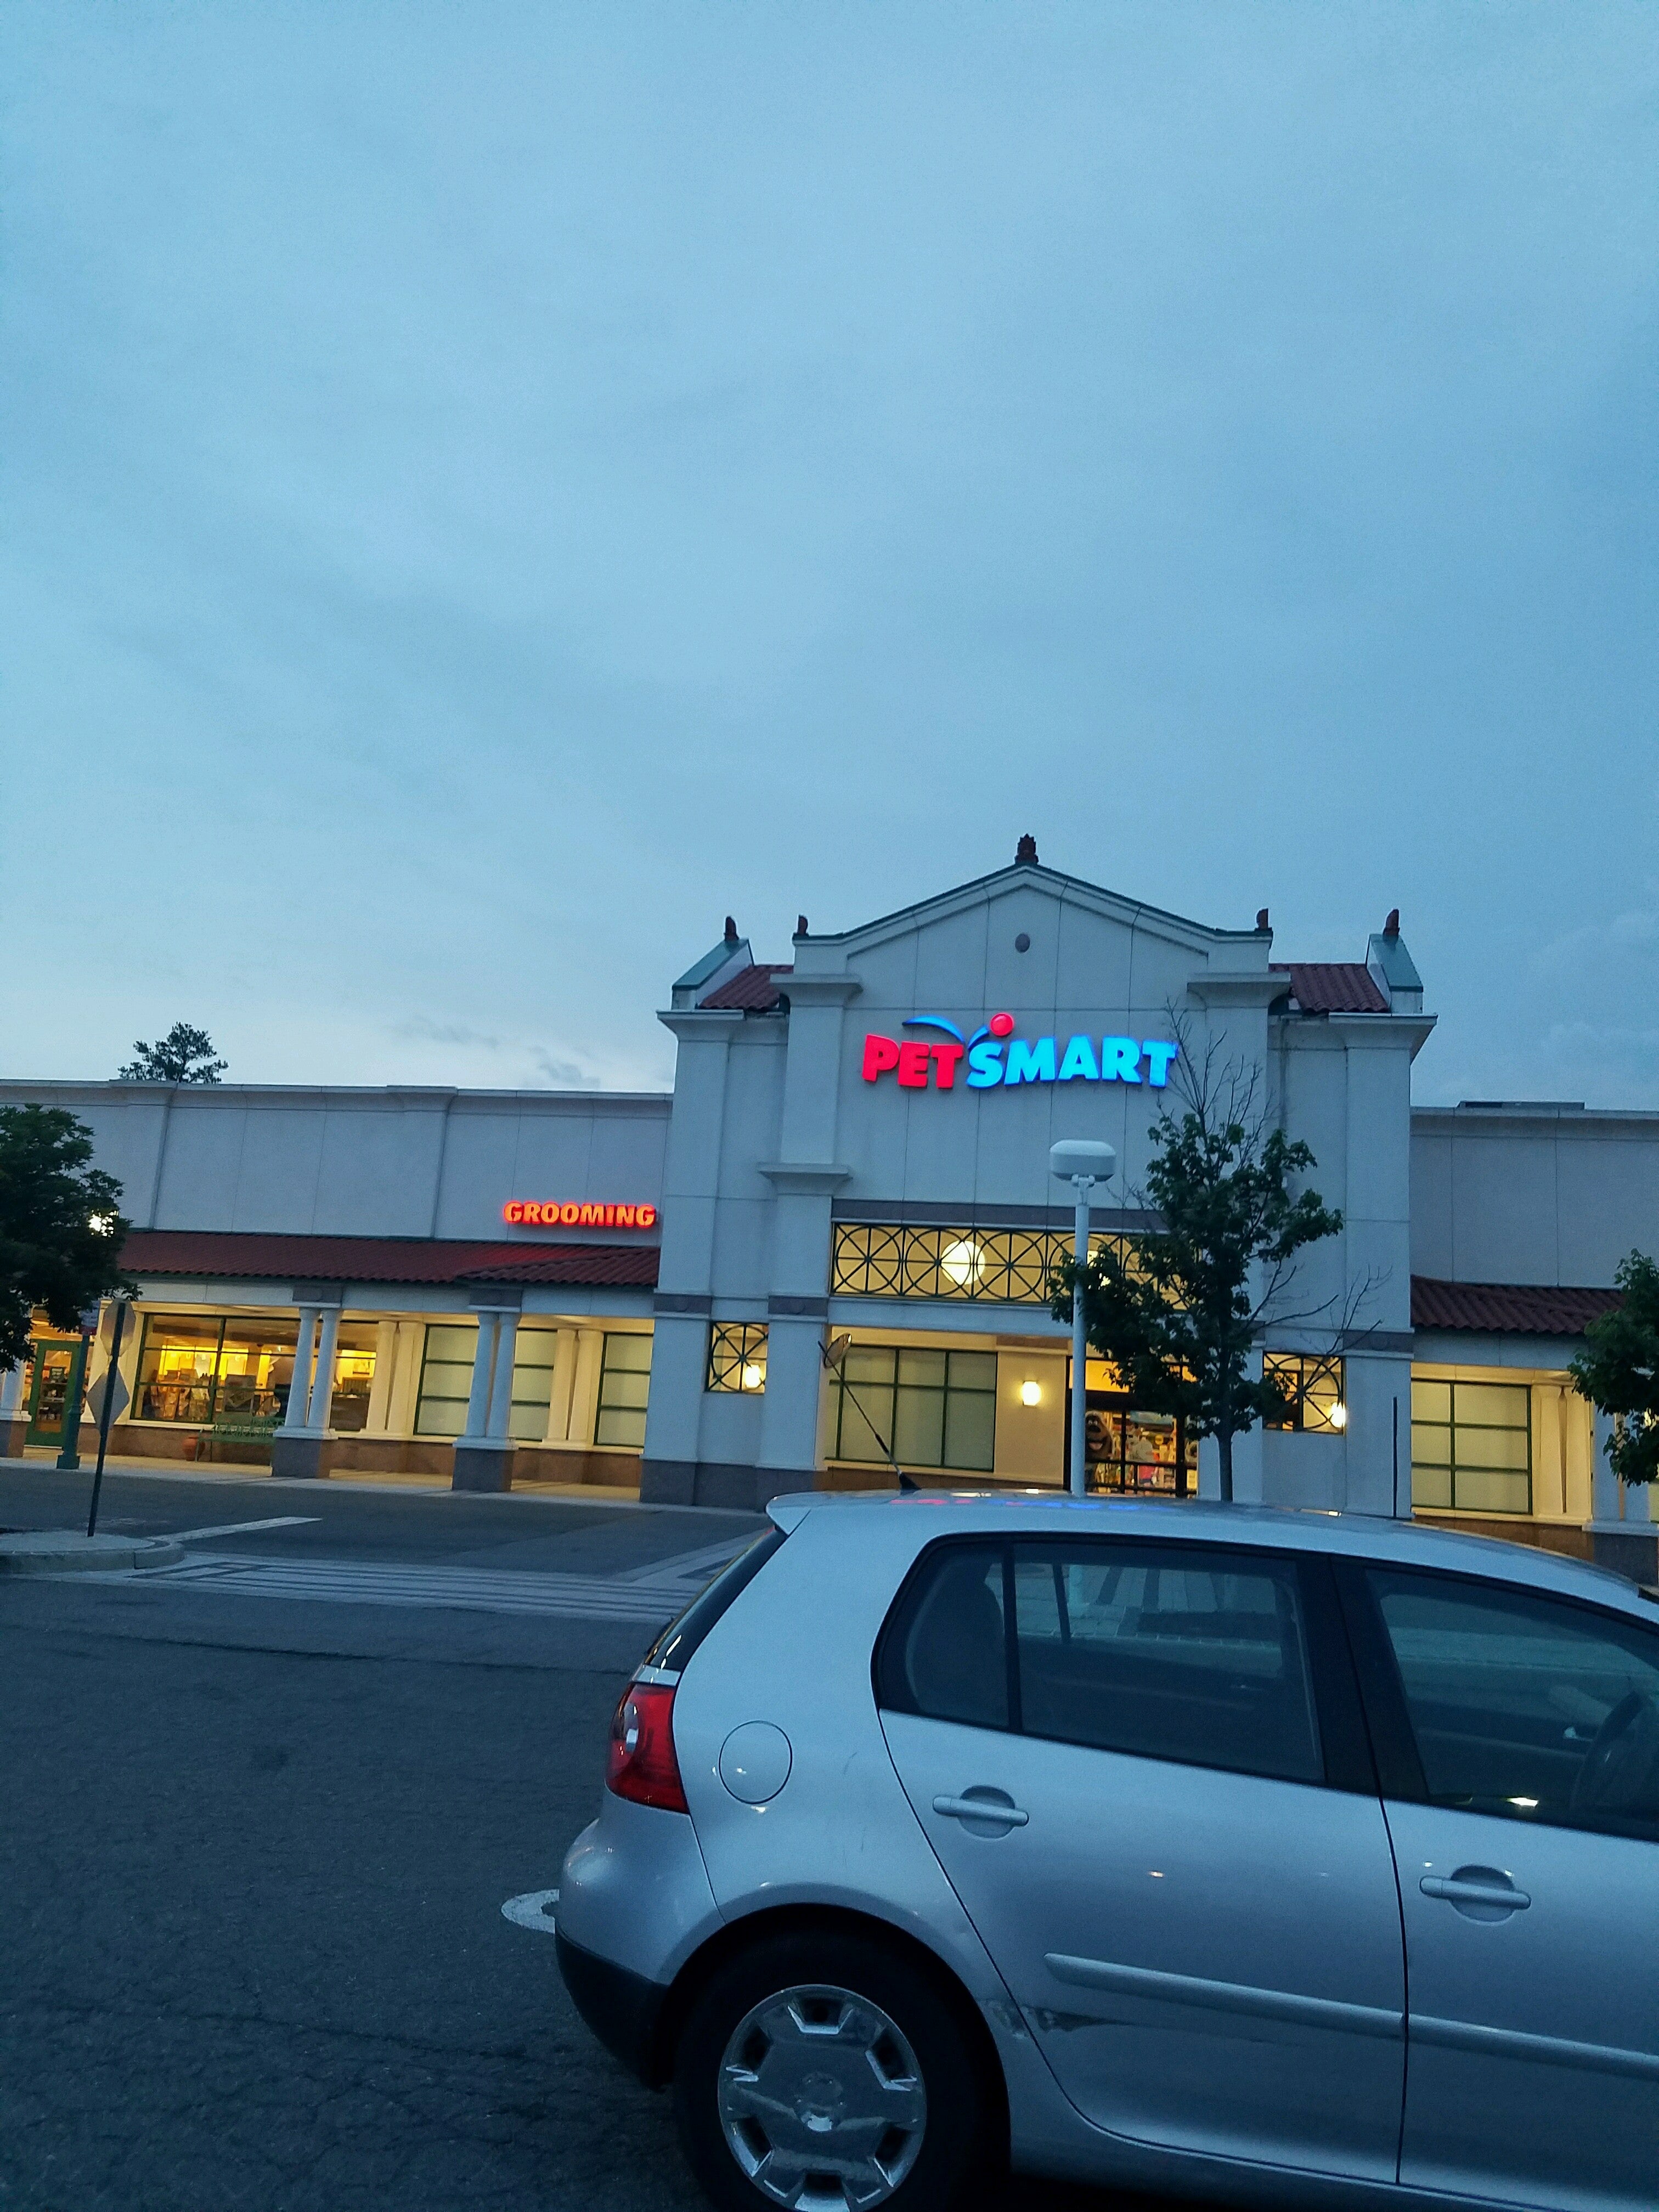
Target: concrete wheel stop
(66,1552)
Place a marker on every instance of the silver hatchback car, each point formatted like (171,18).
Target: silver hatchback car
(1283,1858)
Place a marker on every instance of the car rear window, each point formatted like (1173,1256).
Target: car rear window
(674,1647)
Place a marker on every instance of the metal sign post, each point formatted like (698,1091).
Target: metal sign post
(111,1375)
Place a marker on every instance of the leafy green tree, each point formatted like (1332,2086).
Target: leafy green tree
(61,1229)
(182,1055)
(1618,1371)
(1177,1311)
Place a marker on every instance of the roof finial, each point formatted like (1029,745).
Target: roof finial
(1391,926)
(1262,920)
(800,925)
(731,931)
(1025,852)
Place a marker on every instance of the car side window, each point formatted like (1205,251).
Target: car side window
(1167,1652)
(1528,1707)
(944,1651)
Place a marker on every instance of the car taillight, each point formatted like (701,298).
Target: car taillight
(641,1764)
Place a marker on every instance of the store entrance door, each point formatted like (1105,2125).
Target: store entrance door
(57,1375)
(1133,1452)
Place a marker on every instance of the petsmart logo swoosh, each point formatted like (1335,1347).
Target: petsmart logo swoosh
(996,1056)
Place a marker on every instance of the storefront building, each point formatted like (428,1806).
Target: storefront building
(637,1291)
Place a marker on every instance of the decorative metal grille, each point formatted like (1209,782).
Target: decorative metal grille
(1313,1387)
(737,1357)
(1008,1267)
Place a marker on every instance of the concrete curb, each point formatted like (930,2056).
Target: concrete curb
(63,1552)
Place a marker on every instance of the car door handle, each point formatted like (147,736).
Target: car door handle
(991,1806)
(1502,1897)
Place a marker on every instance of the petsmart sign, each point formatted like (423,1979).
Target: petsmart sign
(996,1056)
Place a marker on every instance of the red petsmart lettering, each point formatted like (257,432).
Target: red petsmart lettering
(880,1053)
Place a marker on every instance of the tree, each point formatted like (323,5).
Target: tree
(1618,1371)
(61,1229)
(182,1055)
(1178,1309)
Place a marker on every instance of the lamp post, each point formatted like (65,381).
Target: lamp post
(1083,1163)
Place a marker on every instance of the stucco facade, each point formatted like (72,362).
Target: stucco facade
(854,1155)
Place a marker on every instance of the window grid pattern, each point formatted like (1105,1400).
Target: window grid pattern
(1008,1266)
(1472,1446)
(933,1408)
(1315,1389)
(624,1386)
(737,1357)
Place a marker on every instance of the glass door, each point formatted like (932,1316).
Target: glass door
(56,1366)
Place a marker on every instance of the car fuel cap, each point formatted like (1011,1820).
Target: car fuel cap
(755,1761)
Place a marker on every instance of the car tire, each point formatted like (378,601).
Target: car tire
(831,2046)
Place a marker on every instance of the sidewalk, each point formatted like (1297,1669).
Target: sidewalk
(44,1462)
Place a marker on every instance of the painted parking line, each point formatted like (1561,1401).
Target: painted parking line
(469,1589)
(534,1911)
(243,1528)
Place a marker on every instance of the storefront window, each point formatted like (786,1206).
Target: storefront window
(534,1352)
(1472,1446)
(737,1357)
(195,1369)
(353,1377)
(624,1386)
(1314,1389)
(446,1378)
(936,1408)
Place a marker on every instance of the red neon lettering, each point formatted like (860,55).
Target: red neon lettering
(570,1213)
(913,1066)
(625,1217)
(512,1211)
(591,1217)
(880,1053)
(945,1059)
(645,1216)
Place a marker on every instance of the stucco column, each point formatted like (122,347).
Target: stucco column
(483,1456)
(585,1392)
(789,1406)
(322,1388)
(380,1390)
(299,1389)
(1622,1533)
(500,1393)
(564,1376)
(484,1361)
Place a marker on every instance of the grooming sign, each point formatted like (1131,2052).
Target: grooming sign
(995,1057)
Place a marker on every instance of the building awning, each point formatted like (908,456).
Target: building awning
(1507,1309)
(234,1256)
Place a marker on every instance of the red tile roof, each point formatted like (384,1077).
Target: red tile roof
(224,1252)
(1507,1309)
(1333,986)
(751,991)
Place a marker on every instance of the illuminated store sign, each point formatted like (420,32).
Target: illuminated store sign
(565,1213)
(996,1056)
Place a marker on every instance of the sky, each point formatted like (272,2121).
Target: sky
(487,490)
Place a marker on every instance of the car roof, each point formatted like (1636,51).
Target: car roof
(1297,1528)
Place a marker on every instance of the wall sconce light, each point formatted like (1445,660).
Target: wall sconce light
(1030,1394)
(1339,1416)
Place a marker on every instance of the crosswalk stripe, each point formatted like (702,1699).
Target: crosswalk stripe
(468,1588)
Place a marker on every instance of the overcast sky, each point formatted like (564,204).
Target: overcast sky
(490,489)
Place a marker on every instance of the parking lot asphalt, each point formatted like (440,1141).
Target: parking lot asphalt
(254,1850)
